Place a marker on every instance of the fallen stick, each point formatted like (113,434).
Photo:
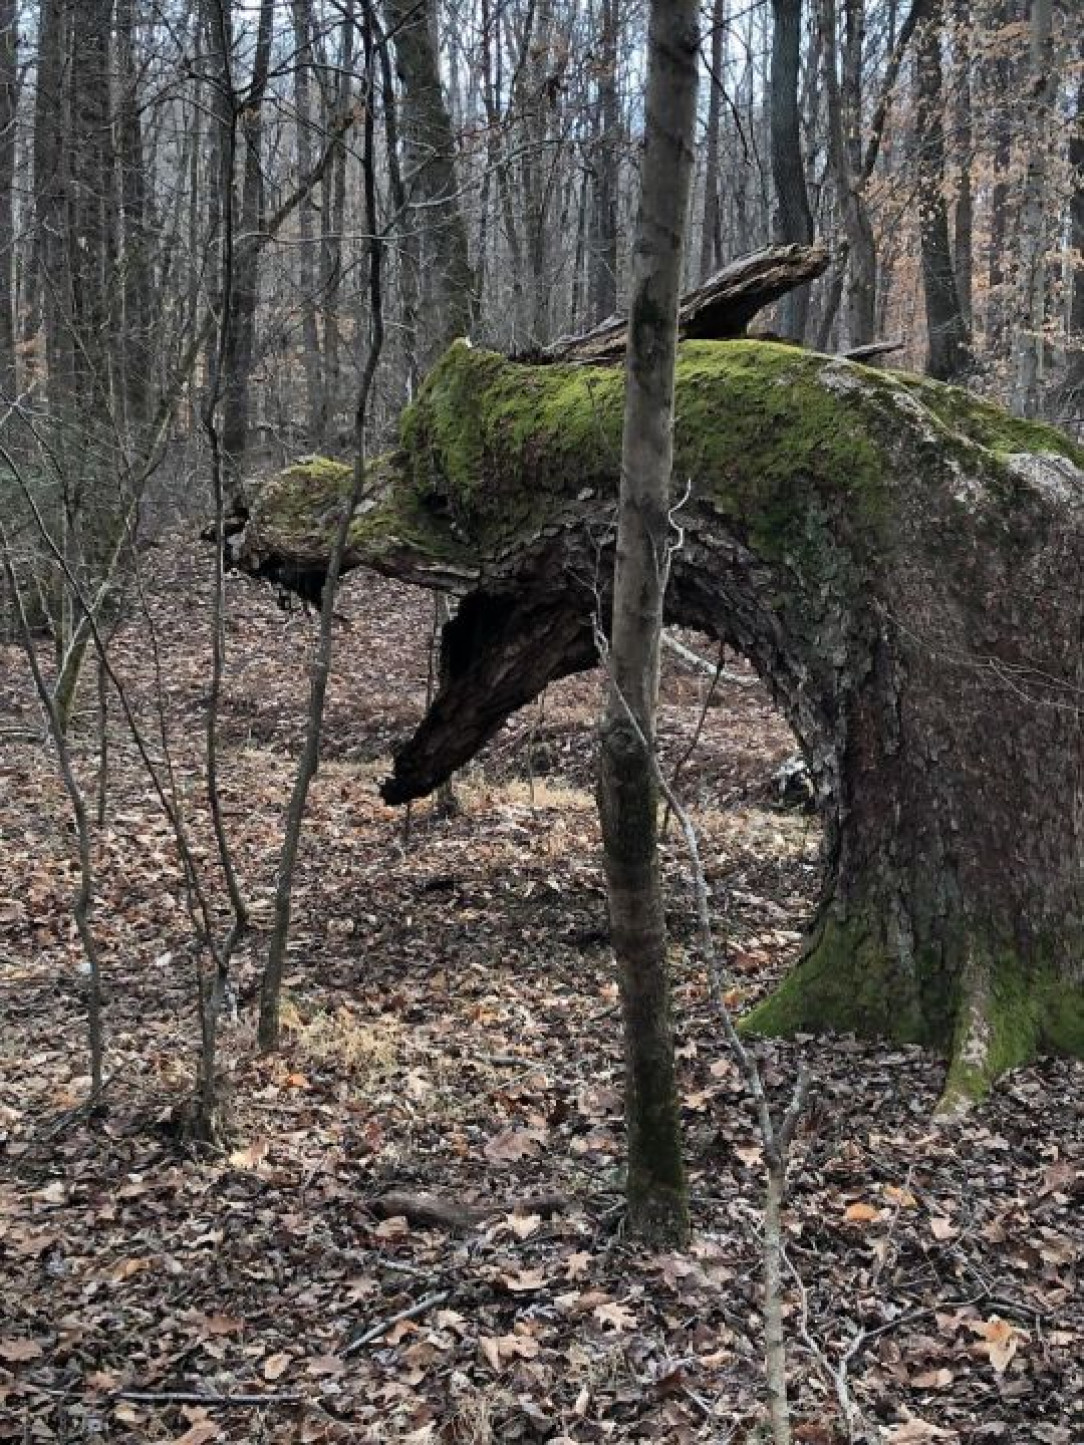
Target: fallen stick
(701,664)
(213,1402)
(429,1302)
(432,1211)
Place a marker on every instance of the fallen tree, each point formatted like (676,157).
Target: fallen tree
(902,564)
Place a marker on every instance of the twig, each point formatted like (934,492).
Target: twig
(214,1402)
(429,1302)
(702,664)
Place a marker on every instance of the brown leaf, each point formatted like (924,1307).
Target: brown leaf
(18,1349)
(917,1432)
(861,1213)
(275,1366)
(523,1280)
(511,1145)
(198,1434)
(999,1339)
(615,1315)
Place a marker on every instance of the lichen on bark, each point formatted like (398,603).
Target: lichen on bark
(900,561)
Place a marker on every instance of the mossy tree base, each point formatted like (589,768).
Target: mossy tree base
(901,562)
(993,1008)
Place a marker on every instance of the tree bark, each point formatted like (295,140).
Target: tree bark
(793,218)
(240,347)
(711,230)
(430,176)
(306,224)
(137,354)
(627,790)
(963,230)
(1031,305)
(9,80)
(947,342)
(1073,390)
(898,561)
(603,288)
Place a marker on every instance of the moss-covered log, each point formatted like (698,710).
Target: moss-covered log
(902,565)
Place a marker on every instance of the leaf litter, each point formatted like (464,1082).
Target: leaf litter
(415,1231)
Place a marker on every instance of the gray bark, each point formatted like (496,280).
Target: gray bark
(430,176)
(1031,303)
(793,218)
(658,1207)
(947,341)
(8,97)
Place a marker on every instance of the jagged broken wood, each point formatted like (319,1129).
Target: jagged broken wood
(719,310)
(903,565)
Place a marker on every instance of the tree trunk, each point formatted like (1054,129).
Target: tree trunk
(306,224)
(899,562)
(711,230)
(430,175)
(628,801)
(1073,391)
(9,80)
(844,108)
(1031,304)
(136,366)
(240,345)
(963,237)
(948,349)
(53,203)
(793,219)
(603,290)
(998,76)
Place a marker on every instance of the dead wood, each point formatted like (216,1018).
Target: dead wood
(720,310)
(436,1211)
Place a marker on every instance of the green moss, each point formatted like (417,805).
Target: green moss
(1009,1014)
(848,982)
(302,496)
(799,453)
(986,425)
(1000,1010)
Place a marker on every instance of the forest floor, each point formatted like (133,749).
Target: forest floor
(453,1030)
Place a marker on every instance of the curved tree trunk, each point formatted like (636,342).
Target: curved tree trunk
(900,562)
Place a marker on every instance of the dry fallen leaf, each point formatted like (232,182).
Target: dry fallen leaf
(523,1225)
(861,1213)
(942,1228)
(998,1339)
(933,1379)
(522,1280)
(916,1432)
(275,1366)
(251,1157)
(198,1434)
(511,1145)
(14,1350)
(615,1315)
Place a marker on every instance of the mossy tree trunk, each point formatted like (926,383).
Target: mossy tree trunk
(902,564)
